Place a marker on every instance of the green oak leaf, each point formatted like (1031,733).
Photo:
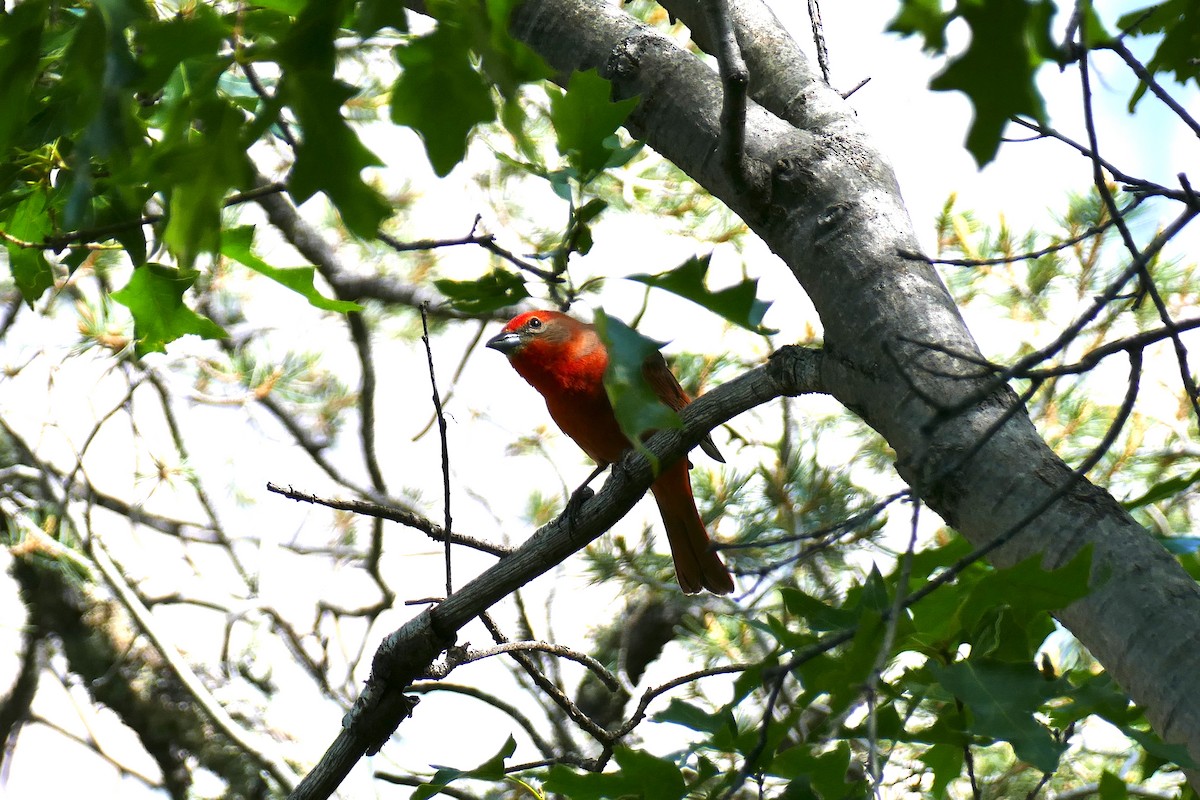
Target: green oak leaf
(330,157)
(1028,588)
(372,15)
(498,289)
(237,244)
(924,17)
(737,304)
(29,222)
(154,295)
(203,169)
(946,763)
(490,770)
(441,95)
(1179,23)
(1009,41)
(20,53)
(164,44)
(585,119)
(640,775)
(1002,699)
(1163,490)
(637,407)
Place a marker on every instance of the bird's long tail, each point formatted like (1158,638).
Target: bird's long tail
(696,566)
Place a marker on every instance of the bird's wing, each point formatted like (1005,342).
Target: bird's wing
(666,386)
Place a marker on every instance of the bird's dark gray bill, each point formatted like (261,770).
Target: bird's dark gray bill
(505,342)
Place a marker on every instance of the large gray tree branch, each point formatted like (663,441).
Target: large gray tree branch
(827,203)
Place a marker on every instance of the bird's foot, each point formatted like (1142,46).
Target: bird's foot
(575,504)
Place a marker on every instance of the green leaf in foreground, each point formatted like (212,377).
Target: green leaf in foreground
(640,775)
(490,770)
(154,295)
(585,120)
(998,70)
(737,304)
(1028,588)
(237,244)
(29,222)
(637,407)
(1163,490)
(1179,24)
(330,157)
(20,42)
(946,763)
(441,95)
(924,17)
(691,716)
(372,15)
(498,289)
(1002,699)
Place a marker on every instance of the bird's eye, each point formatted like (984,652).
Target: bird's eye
(534,324)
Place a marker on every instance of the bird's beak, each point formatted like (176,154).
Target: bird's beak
(505,342)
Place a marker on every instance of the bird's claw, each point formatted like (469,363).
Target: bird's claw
(575,503)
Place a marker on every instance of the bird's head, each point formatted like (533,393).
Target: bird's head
(553,352)
(536,330)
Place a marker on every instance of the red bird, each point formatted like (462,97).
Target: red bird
(564,359)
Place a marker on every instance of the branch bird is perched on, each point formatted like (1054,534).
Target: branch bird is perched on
(565,359)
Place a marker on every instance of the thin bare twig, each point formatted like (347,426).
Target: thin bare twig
(651,694)
(1137,185)
(818,32)
(846,94)
(1139,259)
(429,687)
(1071,331)
(441,420)
(285,130)
(485,240)
(820,533)
(1045,251)
(395,514)
(456,658)
(155,380)
(361,337)
(1117,46)
(260,751)
(552,691)
(458,371)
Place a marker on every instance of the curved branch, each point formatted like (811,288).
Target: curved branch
(394,514)
(1118,47)
(346,285)
(457,659)
(1094,230)
(428,687)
